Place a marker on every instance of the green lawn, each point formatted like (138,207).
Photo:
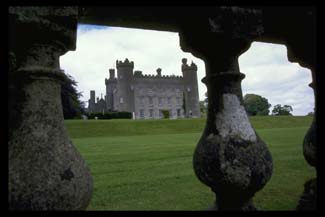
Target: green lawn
(147,164)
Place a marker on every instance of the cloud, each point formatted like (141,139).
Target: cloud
(99,48)
(270,74)
(267,69)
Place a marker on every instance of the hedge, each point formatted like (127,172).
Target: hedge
(110,115)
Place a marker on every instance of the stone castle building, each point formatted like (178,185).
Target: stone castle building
(147,96)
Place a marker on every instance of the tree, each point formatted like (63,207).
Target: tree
(256,105)
(165,113)
(310,114)
(206,99)
(184,103)
(282,110)
(71,105)
(203,107)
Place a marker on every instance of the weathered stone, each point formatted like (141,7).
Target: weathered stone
(309,145)
(230,157)
(308,200)
(46,172)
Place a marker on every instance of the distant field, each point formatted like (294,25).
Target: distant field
(147,164)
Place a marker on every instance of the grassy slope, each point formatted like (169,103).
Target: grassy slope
(99,128)
(150,167)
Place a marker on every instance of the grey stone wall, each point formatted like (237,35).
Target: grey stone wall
(153,94)
(111,87)
(191,91)
(148,95)
(125,85)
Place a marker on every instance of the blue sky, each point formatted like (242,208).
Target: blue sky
(267,69)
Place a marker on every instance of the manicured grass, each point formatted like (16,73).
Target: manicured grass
(147,165)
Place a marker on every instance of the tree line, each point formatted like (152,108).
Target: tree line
(256,105)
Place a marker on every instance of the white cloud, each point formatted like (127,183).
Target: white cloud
(268,72)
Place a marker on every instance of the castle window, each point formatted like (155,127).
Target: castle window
(141,113)
(178,100)
(160,100)
(151,113)
(178,113)
(150,100)
(169,100)
(121,100)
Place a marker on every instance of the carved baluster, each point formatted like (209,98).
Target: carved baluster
(46,172)
(308,198)
(230,157)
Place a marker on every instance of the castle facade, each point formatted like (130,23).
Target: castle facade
(149,96)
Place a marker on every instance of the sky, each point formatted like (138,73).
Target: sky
(266,66)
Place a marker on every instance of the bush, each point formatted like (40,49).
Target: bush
(165,113)
(110,115)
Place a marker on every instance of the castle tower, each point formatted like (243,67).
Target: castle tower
(125,85)
(91,101)
(110,86)
(191,91)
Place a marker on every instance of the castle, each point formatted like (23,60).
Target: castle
(148,96)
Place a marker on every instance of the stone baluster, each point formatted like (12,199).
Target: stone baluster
(308,199)
(46,172)
(230,157)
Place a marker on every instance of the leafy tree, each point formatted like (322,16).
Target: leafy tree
(310,114)
(203,107)
(165,113)
(71,105)
(206,99)
(282,110)
(256,105)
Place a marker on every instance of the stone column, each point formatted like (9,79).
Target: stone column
(46,172)
(308,200)
(230,157)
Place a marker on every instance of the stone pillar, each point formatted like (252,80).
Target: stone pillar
(46,172)
(303,51)
(308,199)
(230,157)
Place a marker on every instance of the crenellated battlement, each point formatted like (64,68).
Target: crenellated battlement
(126,63)
(140,75)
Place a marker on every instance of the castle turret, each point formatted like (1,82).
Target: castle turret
(125,85)
(91,101)
(191,91)
(111,73)
(110,86)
